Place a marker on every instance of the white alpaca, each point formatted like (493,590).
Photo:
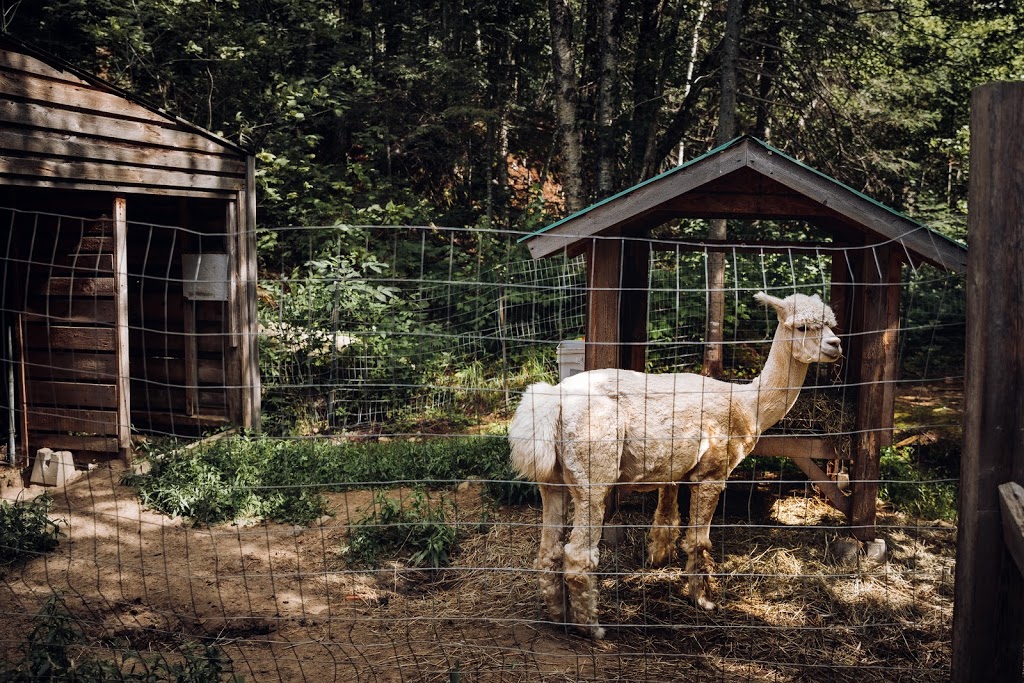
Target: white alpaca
(606,428)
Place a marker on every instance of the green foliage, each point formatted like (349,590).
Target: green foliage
(418,527)
(26,530)
(232,479)
(283,479)
(57,650)
(911,487)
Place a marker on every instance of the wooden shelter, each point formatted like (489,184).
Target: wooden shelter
(129,265)
(748,179)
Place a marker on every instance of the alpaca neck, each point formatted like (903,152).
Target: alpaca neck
(778,386)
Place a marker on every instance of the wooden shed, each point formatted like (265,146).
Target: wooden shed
(129,266)
(748,179)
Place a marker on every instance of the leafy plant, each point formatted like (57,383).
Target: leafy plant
(283,479)
(913,488)
(419,528)
(56,650)
(26,529)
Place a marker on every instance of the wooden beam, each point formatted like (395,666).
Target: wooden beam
(604,265)
(636,255)
(750,246)
(801,450)
(988,607)
(245,213)
(123,384)
(1011,504)
(878,311)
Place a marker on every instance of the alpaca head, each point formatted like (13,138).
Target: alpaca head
(806,322)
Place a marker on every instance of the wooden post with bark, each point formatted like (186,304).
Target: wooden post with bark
(988,613)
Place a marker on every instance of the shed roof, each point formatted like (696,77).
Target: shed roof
(63,127)
(748,178)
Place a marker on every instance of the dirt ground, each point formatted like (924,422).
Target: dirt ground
(281,603)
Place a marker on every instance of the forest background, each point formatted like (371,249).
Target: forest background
(497,117)
(494,113)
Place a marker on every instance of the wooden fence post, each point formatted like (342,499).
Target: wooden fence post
(988,613)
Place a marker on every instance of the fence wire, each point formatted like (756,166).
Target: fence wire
(375,531)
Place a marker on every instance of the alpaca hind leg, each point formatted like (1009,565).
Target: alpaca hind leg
(699,564)
(661,543)
(552,550)
(581,558)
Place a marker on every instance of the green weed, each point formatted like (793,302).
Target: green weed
(57,650)
(911,487)
(419,528)
(26,530)
(283,479)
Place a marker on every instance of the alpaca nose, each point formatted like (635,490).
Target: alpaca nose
(834,344)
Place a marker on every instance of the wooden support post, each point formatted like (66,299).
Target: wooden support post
(604,265)
(123,385)
(988,608)
(246,216)
(617,285)
(879,315)
(636,255)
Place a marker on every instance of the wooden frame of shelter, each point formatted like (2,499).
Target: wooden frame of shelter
(130,265)
(748,179)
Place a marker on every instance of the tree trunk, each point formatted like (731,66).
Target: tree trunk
(713,365)
(563,68)
(609,66)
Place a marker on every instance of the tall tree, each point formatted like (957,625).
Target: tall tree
(566,85)
(727,116)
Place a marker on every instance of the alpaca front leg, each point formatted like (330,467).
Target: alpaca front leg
(661,542)
(581,558)
(552,550)
(699,564)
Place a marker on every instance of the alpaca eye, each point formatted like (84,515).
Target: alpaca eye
(801,328)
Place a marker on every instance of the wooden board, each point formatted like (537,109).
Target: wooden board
(1011,503)
(60,310)
(73,365)
(71,394)
(94,422)
(67,338)
(74,443)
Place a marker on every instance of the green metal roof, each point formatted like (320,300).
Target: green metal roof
(946,251)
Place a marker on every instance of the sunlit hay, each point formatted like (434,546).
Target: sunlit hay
(786,612)
(800,510)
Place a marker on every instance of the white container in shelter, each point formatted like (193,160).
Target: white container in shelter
(205,276)
(571,354)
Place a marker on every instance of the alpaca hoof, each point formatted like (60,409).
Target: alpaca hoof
(661,558)
(592,631)
(706,604)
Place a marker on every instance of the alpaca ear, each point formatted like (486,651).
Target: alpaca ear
(768,300)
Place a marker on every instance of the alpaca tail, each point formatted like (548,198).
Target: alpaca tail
(533,434)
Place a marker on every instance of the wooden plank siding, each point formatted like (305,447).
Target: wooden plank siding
(59,129)
(71,338)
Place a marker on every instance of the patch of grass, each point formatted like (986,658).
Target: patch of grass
(283,479)
(419,528)
(911,487)
(57,650)
(26,530)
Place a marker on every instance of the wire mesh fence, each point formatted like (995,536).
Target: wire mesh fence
(375,530)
